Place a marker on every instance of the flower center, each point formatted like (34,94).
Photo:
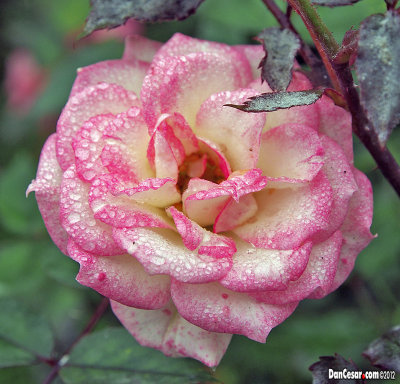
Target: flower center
(199,165)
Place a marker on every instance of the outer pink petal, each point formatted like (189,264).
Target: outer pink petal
(161,251)
(182,83)
(102,98)
(165,330)
(128,74)
(254,55)
(180,44)
(47,192)
(291,151)
(315,280)
(236,133)
(306,115)
(121,278)
(335,122)
(139,48)
(288,217)
(88,144)
(78,220)
(196,237)
(355,229)
(217,309)
(340,175)
(257,269)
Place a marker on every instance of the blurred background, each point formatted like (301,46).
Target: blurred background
(40,52)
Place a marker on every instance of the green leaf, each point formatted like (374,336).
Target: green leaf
(320,370)
(113,13)
(113,356)
(23,336)
(334,3)
(378,71)
(268,102)
(384,352)
(280,46)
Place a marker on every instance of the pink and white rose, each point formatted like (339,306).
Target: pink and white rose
(200,221)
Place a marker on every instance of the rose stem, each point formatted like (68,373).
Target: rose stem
(342,79)
(89,327)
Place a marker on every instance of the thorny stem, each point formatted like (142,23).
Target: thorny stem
(342,80)
(89,327)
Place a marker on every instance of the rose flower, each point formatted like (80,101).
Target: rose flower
(197,220)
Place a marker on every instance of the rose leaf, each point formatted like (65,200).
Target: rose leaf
(384,352)
(334,3)
(23,336)
(378,71)
(280,46)
(268,102)
(112,13)
(320,370)
(113,356)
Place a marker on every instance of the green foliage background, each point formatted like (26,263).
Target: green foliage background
(35,277)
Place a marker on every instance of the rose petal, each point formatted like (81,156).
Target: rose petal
(77,218)
(182,83)
(161,251)
(234,213)
(165,151)
(102,99)
(335,122)
(88,144)
(355,229)
(290,151)
(194,237)
(340,175)
(254,55)
(128,74)
(257,269)
(121,278)
(127,140)
(217,309)
(288,217)
(316,278)
(47,192)
(236,133)
(154,192)
(180,44)
(138,47)
(165,330)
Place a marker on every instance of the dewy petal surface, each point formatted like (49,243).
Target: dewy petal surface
(102,98)
(287,217)
(140,48)
(121,278)
(78,220)
(166,330)
(291,151)
(47,192)
(128,74)
(182,83)
(236,133)
(161,251)
(257,269)
(217,309)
